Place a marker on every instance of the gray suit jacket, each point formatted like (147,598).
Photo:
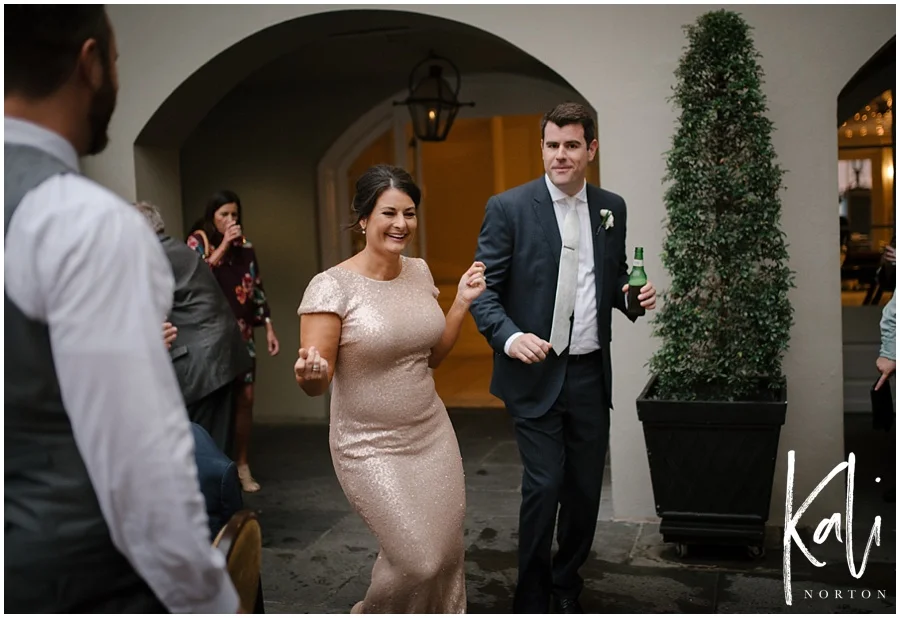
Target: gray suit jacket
(520,246)
(209,351)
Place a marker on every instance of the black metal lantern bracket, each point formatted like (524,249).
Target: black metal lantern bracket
(432,101)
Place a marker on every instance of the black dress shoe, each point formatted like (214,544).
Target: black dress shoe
(567,606)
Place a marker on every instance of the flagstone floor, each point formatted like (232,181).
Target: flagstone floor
(318,555)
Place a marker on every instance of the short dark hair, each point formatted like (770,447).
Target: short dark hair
(208,222)
(375,181)
(42,43)
(570,113)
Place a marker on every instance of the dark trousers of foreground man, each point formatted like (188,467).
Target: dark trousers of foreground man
(563,453)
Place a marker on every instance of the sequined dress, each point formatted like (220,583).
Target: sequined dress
(393,446)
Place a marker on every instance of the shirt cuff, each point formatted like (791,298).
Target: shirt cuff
(509,342)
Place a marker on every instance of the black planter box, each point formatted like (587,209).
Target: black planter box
(712,465)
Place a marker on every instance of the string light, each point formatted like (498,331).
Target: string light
(875,119)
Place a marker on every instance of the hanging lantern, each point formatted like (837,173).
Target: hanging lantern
(432,101)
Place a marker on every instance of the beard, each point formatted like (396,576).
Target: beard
(100,114)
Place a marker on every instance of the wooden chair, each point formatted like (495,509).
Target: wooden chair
(241,543)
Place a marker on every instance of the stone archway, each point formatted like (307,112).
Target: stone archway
(374,34)
(310,106)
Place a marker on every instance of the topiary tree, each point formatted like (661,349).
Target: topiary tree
(726,319)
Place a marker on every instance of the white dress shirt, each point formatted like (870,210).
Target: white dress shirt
(585,334)
(83,261)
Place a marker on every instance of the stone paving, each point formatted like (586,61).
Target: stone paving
(318,554)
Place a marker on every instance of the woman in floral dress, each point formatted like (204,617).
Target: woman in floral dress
(218,237)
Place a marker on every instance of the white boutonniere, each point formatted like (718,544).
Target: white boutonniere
(606,219)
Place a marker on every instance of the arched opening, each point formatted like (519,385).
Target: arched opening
(867,199)
(282,118)
(866,176)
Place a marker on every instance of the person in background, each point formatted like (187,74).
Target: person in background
(221,488)
(102,507)
(204,341)
(219,239)
(219,481)
(886,364)
(887,358)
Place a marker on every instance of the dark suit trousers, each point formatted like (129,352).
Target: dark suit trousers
(215,413)
(563,453)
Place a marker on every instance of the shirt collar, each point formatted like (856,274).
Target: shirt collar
(18,131)
(557,194)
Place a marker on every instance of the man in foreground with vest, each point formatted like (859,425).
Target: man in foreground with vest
(103,511)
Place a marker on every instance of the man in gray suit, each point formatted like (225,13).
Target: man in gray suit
(555,266)
(207,352)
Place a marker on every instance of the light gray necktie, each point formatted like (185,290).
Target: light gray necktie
(566,285)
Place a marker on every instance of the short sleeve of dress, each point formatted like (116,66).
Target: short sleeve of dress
(323,295)
(195,242)
(427,271)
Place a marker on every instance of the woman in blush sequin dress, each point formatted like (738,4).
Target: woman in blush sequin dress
(373,324)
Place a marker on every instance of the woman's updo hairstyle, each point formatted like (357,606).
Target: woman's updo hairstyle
(375,181)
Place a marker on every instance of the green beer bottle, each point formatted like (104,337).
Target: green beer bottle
(636,280)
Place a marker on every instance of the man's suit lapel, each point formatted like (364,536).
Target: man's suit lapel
(599,237)
(543,208)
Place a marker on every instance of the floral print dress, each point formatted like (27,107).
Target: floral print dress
(238,276)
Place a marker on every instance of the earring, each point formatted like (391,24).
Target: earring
(364,231)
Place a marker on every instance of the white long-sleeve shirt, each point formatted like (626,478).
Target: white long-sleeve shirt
(83,261)
(585,331)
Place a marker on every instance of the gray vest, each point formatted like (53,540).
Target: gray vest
(58,554)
